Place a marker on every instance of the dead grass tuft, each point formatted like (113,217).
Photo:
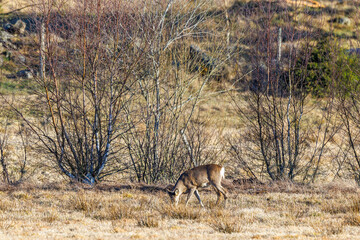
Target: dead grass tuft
(340,207)
(148,221)
(181,212)
(328,228)
(226,225)
(83,202)
(353,220)
(115,212)
(6,225)
(22,195)
(117,226)
(6,205)
(355,205)
(51,216)
(338,187)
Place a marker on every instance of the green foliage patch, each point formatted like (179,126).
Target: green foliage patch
(329,67)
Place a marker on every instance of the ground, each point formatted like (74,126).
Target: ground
(132,211)
(123,212)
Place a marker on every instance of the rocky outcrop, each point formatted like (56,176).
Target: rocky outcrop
(341,20)
(10,44)
(7,39)
(18,28)
(200,61)
(25,74)
(8,35)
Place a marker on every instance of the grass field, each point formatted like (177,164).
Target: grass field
(280,211)
(43,209)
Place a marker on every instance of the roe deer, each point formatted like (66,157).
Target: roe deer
(199,177)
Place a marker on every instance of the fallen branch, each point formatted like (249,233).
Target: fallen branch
(307,3)
(18,9)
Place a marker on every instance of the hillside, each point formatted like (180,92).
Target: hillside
(104,103)
(229,70)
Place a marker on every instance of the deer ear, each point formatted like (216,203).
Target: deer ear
(176,192)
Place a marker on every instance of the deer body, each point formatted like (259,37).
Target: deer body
(199,177)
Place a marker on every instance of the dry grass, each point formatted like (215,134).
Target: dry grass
(68,213)
(280,211)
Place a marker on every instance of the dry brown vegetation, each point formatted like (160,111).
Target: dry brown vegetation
(280,211)
(45,206)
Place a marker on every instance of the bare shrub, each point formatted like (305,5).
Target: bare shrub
(205,145)
(114,87)
(84,84)
(167,93)
(278,143)
(348,107)
(14,148)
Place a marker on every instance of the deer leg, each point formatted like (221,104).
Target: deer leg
(223,191)
(220,190)
(218,197)
(192,190)
(198,197)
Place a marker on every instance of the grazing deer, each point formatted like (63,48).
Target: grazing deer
(199,177)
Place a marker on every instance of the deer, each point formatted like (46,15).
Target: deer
(199,177)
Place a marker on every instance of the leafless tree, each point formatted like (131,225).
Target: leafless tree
(14,148)
(169,85)
(89,58)
(277,139)
(348,108)
(115,87)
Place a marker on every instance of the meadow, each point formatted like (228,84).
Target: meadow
(174,110)
(135,211)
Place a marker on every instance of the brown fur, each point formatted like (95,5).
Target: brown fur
(191,180)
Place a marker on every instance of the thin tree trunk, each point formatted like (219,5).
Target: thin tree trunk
(42,52)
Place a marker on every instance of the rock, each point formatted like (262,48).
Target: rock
(25,74)
(18,28)
(5,36)
(5,39)
(200,61)
(8,54)
(2,49)
(10,76)
(10,45)
(341,20)
(8,27)
(20,59)
(55,38)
